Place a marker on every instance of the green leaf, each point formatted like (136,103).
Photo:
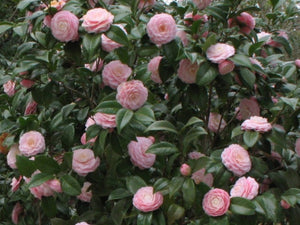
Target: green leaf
(161,184)
(110,107)
(70,185)
(236,132)
(123,117)
(5,27)
(67,109)
(58,221)
(248,78)
(285,43)
(193,120)
(267,205)
(145,115)
(223,220)
(217,13)
(162,148)
(162,125)
(25,166)
(116,34)
(254,47)
(175,185)
(189,192)
(119,193)
(250,138)
(292,196)
(68,135)
(6,125)
(171,50)
(144,218)
(211,40)
(49,206)
(292,102)
(24,3)
(39,179)
(82,114)
(91,45)
(46,165)
(99,146)
(175,212)
(165,69)
(56,121)
(241,60)
(134,183)
(242,206)
(206,74)
(93,131)
(119,211)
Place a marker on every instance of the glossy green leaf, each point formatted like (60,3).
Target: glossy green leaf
(223,220)
(171,50)
(144,218)
(39,179)
(189,192)
(242,206)
(161,184)
(46,164)
(267,205)
(236,131)
(123,117)
(4,27)
(175,212)
(119,193)
(116,34)
(162,125)
(91,45)
(175,185)
(162,148)
(144,114)
(165,69)
(250,138)
(119,211)
(206,74)
(68,135)
(24,3)
(25,166)
(70,185)
(134,183)
(93,131)
(241,60)
(49,206)
(110,107)
(248,78)
(193,120)
(292,196)
(292,102)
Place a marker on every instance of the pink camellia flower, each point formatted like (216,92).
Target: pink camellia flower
(195,155)
(97,20)
(15,184)
(256,123)
(275,44)
(105,120)
(284,204)
(27,83)
(84,141)
(183,37)
(247,108)
(115,73)
(153,67)
(146,4)
(236,159)
(146,201)
(214,122)
(90,121)
(11,156)
(137,152)
(85,195)
(84,161)
(297,146)
(9,88)
(55,185)
(132,94)
(47,21)
(64,26)
(161,28)
(82,223)
(219,52)
(195,17)
(200,176)
(202,4)
(17,210)
(185,170)
(95,66)
(245,188)
(245,21)
(297,63)
(30,108)
(216,202)
(225,67)
(32,143)
(187,71)
(109,45)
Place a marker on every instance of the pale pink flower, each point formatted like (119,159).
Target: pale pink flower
(105,120)
(187,71)
(47,21)
(146,201)
(201,176)
(132,94)
(137,152)
(64,26)
(297,146)
(11,156)
(115,73)
(9,88)
(185,170)
(153,67)
(195,17)
(202,4)
(247,108)
(85,195)
(245,21)
(276,44)
(30,108)
(90,121)
(297,63)
(97,20)
(245,188)
(15,184)
(195,155)
(256,123)
(236,159)
(284,204)
(32,143)
(146,4)
(216,202)
(95,66)
(27,83)
(183,37)
(214,122)
(55,185)
(82,223)
(84,161)
(161,28)
(109,45)
(17,210)
(84,141)
(219,52)
(225,67)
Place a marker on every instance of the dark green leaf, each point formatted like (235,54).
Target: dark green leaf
(193,120)
(162,125)
(292,196)
(49,206)
(134,183)
(162,148)
(93,131)
(171,50)
(206,74)
(241,60)
(70,185)
(219,221)
(189,192)
(161,184)
(123,117)
(242,206)
(39,179)
(144,218)
(285,43)
(175,185)
(250,138)
(91,45)
(144,114)
(116,34)
(248,78)
(211,40)
(267,205)
(110,107)
(46,164)
(24,3)
(236,131)
(119,211)
(25,166)
(165,69)
(175,212)
(4,27)
(292,102)
(68,135)
(119,193)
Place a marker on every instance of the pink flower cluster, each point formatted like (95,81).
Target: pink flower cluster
(146,201)
(84,161)
(245,188)
(256,123)
(187,71)
(97,20)
(216,202)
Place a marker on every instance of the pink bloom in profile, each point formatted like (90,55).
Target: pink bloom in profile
(84,141)
(214,122)
(97,20)
(219,52)
(297,63)
(32,143)
(109,45)
(245,188)
(85,195)
(245,21)
(146,201)
(105,120)
(161,28)
(64,26)
(236,159)
(284,204)
(187,71)
(216,202)
(30,108)
(200,176)
(276,44)
(183,37)
(15,183)
(137,152)
(256,123)
(115,73)
(27,83)
(17,210)
(185,170)
(82,223)
(225,67)
(146,4)
(95,66)
(90,121)
(247,108)
(297,146)
(153,67)
(84,161)
(202,4)
(132,94)
(195,155)
(11,156)
(9,88)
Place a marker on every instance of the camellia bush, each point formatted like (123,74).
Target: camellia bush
(138,112)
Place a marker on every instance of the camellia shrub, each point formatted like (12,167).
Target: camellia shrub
(138,112)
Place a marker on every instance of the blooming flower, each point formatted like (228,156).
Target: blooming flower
(105,120)
(187,71)
(256,123)
(32,143)
(225,67)
(146,201)
(109,45)
(245,188)
(97,20)
(85,195)
(216,202)
(245,21)
(9,88)
(200,176)
(11,156)
(84,161)
(219,52)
